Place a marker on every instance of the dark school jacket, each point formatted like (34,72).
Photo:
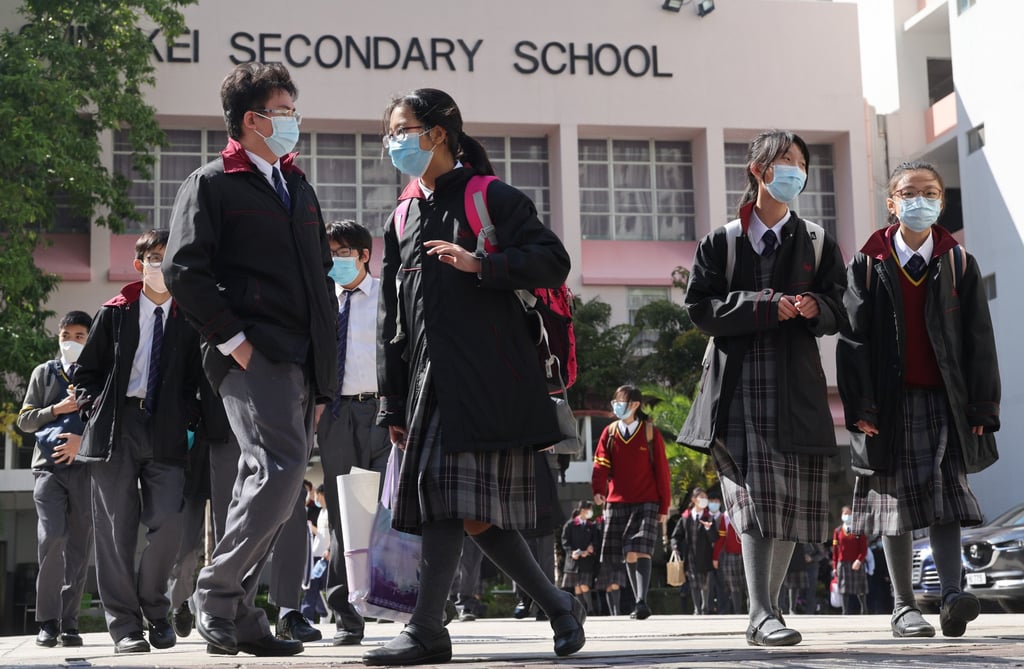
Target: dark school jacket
(104,368)
(870,352)
(734,315)
(238,261)
(490,387)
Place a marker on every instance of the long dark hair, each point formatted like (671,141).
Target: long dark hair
(632,394)
(433,108)
(912,166)
(766,148)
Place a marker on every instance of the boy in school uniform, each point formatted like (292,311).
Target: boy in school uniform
(136,390)
(61,490)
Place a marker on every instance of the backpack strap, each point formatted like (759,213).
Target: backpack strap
(477,216)
(956,262)
(733,229)
(401,214)
(649,433)
(868,273)
(817,235)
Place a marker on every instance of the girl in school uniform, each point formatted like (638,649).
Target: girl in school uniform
(766,287)
(919,380)
(580,556)
(849,562)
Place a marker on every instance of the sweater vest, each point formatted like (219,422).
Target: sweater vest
(920,368)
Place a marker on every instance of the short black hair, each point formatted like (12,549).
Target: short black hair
(75,318)
(306,483)
(351,234)
(248,87)
(150,240)
(320,488)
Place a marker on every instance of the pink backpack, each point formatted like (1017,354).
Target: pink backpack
(548,310)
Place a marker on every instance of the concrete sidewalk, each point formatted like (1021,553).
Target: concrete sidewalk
(713,642)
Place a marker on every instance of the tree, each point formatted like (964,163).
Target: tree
(688,468)
(604,355)
(76,69)
(677,347)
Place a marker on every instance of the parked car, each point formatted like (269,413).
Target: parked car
(993,564)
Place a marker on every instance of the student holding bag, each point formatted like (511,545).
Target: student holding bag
(471,409)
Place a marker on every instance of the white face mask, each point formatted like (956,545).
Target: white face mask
(70,350)
(153,277)
(702,502)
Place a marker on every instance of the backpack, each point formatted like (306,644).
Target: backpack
(548,310)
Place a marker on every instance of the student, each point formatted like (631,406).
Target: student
(694,539)
(765,294)
(136,384)
(248,262)
(727,560)
(471,410)
(312,600)
(580,556)
(849,557)
(62,486)
(920,385)
(630,473)
(348,434)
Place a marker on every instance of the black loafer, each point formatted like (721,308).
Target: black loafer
(182,620)
(214,650)
(48,633)
(271,646)
(907,622)
(411,646)
(217,631)
(295,626)
(70,638)
(641,611)
(133,643)
(347,637)
(958,609)
(783,636)
(161,635)
(521,610)
(568,627)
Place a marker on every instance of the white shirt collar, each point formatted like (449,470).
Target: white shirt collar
(365,286)
(427,192)
(265,168)
(904,252)
(757,230)
(148,306)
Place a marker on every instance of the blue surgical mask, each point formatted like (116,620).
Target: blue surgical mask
(408,157)
(621,409)
(285,135)
(920,213)
(847,518)
(344,271)
(787,182)
(713,507)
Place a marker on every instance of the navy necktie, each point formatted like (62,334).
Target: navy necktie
(916,267)
(282,189)
(770,242)
(343,312)
(153,381)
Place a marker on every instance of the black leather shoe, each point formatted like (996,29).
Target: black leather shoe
(958,609)
(907,622)
(521,610)
(295,626)
(161,635)
(411,646)
(271,646)
(642,611)
(217,631)
(783,636)
(70,638)
(345,637)
(133,643)
(48,633)
(214,650)
(182,620)
(568,627)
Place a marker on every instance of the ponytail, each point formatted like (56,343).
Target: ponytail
(473,152)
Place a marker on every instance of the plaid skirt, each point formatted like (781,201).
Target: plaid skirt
(628,528)
(929,482)
(730,568)
(851,582)
(496,487)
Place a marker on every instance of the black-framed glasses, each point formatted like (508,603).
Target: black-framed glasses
(288,113)
(910,194)
(344,252)
(400,134)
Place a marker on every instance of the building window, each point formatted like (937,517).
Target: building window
(818,201)
(636,190)
(641,297)
(989,283)
(963,5)
(940,79)
(975,138)
(523,162)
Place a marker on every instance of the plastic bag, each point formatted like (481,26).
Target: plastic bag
(834,598)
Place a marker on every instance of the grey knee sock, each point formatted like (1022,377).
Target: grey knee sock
(946,551)
(631,577)
(642,578)
(900,559)
(782,551)
(439,557)
(509,552)
(757,565)
(613,601)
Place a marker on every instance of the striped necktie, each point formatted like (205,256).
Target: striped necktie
(153,381)
(343,313)
(916,267)
(282,189)
(770,242)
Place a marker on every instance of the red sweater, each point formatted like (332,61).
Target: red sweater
(920,367)
(623,470)
(728,540)
(848,547)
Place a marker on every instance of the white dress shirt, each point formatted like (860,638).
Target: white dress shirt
(139,378)
(361,350)
(627,430)
(757,230)
(904,252)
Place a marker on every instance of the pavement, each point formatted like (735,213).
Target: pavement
(710,642)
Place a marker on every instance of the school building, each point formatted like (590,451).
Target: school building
(626,122)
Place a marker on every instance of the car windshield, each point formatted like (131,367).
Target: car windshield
(1012,518)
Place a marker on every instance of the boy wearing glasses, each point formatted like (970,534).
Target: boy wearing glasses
(248,260)
(136,390)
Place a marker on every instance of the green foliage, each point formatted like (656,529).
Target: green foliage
(688,468)
(74,72)
(676,347)
(603,354)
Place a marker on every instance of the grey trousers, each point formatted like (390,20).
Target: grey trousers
(353,439)
(289,567)
(270,409)
(182,580)
(129,489)
(64,507)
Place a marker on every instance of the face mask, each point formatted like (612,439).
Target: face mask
(70,350)
(846,518)
(318,504)
(154,277)
(621,409)
(702,502)
(344,271)
(408,157)
(919,213)
(787,182)
(284,136)
(713,507)
(587,515)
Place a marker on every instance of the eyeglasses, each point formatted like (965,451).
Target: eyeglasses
(910,194)
(344,252)
(288,113)
(400,134)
